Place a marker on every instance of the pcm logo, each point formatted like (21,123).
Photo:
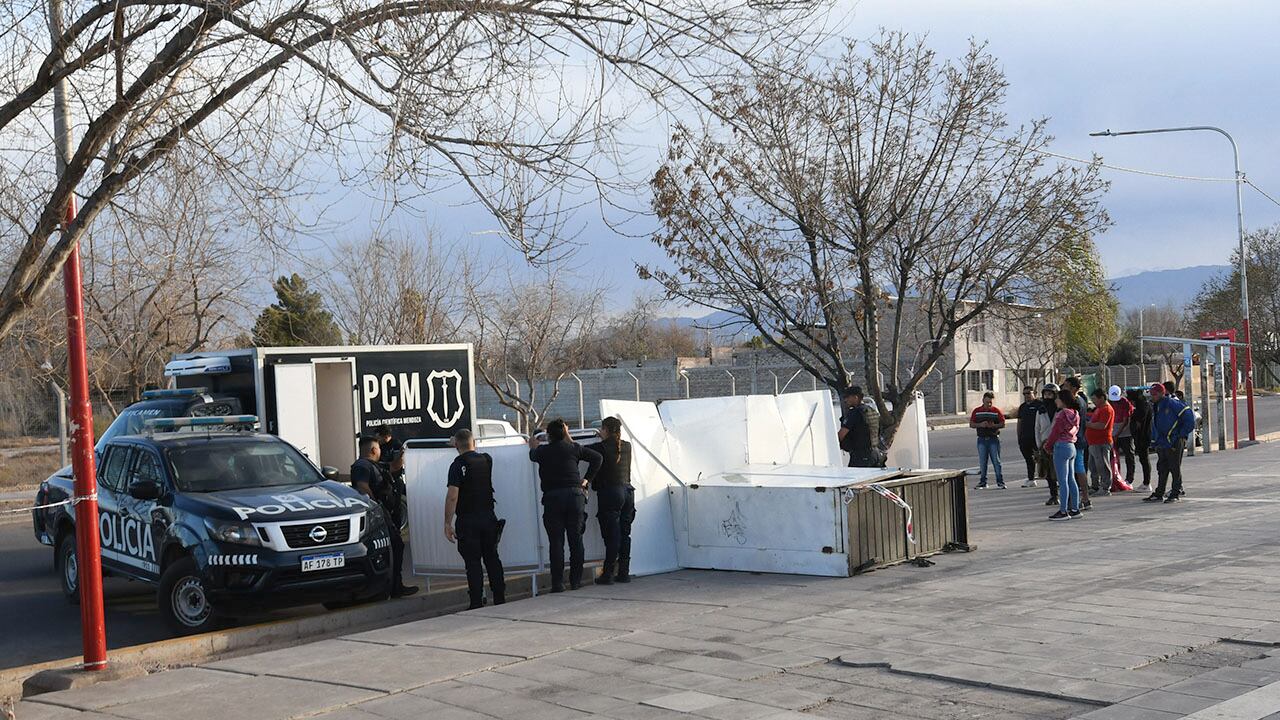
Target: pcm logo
(444,397)
(393,391)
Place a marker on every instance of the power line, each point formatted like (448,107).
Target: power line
(1261,192)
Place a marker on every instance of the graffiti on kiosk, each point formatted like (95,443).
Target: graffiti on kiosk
(293,503)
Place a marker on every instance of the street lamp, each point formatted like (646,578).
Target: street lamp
(1244,280)
(1142,345)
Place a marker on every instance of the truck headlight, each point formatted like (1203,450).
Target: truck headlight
(237,533)
(370,521)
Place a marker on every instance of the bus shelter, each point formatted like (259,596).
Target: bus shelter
(1213,417)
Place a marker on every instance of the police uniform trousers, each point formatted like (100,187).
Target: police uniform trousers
(477,535)
(397,549)
(562,514)
(617,510)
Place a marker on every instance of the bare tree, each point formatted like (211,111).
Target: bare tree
(867,209)
(395,291)
(169,270)
(640,332)
(519,102)
(529,334)
(1164,320)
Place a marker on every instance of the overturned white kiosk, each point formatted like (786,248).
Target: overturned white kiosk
(751,483)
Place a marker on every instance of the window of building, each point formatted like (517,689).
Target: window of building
(978,332)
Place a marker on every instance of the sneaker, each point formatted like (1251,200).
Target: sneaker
(1093,489)
(1153,497)
(605,579)
(980,486)
(1051,501)
(1075,514)
(1029,483)
(1001,486)
(1059,516)
(1146,484)
(557,588)
(1086,506)
(1172,499)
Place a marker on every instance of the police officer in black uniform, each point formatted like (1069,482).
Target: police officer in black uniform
(616,500)
(564,499)
(476,532)
(375,482)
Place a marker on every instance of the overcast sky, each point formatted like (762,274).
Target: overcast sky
(1087,65)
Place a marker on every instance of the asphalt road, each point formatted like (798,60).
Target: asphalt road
(37,624)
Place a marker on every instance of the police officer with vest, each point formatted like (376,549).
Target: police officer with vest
(375,482)
(476,530)
(564,499)
(616,499)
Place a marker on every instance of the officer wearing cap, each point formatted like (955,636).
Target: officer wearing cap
(374,481)
(476,529)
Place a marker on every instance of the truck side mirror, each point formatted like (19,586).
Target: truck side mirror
(330,472)
(145,490)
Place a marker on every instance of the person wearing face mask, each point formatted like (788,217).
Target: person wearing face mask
(1044,422)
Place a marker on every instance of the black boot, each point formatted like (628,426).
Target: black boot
(606,575)
(624,571)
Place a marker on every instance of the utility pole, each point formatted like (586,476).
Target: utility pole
(88,553)
(1244,277)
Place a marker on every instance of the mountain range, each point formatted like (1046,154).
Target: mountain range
(1160,287)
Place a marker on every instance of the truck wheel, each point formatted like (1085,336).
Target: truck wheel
(64,559)
(183,602)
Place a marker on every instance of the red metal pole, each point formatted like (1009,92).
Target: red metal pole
(93,630)
(1235,393)
(1248,379)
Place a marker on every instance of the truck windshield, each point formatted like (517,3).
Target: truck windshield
(238,464)
(130,420)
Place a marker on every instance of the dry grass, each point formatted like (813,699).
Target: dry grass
(25,472)
(26,441)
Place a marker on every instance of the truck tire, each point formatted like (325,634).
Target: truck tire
(64,559)
(184,605)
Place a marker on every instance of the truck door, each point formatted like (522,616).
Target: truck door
(110,484)
(335,382)
(143,522)
(296,416)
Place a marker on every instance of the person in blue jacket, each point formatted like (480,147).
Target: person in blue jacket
(1172,422)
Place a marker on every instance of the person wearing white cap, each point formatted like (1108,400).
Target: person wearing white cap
(1123,430)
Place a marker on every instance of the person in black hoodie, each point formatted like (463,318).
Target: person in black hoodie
(564,499)
(1140,425)
(470,496)
(616,500)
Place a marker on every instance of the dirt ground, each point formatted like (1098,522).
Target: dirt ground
(25,471)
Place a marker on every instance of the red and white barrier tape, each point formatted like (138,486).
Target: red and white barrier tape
(69,501)
(892,497)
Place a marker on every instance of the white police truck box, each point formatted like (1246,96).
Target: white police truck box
(321,398)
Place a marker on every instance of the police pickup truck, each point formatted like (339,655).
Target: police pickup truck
(222,521)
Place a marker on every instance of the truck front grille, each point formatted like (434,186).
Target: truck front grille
(304,535)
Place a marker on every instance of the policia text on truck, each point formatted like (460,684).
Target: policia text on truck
(222,520)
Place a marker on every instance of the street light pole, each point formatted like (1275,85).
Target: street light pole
(93,632)
(1244,279)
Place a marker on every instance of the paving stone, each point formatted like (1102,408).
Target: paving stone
(259,697)
(688,701)
(1171,702)
(39,710)
(155,687)
(1242,676)
(1215,689)
(1128,712)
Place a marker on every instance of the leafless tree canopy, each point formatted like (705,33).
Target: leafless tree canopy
(528,330)
(516,101)
(395,291)
(885,174)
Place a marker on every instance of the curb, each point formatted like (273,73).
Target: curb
(166,654)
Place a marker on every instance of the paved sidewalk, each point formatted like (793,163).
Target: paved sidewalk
(1137,611)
